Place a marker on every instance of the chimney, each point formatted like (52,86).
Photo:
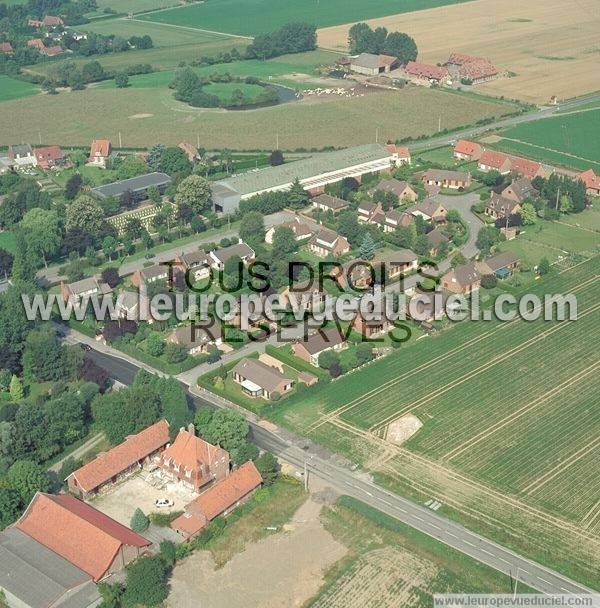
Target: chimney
(191,429)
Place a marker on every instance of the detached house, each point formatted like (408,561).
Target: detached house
(6,48)
(500,264)
(241,250)
(197,265)
(462,279)
(99,153)
(371,328)
(326,202)
(304,294)
(190,151)
(21,155)
(591,181)
(494,161)
(301,231)
(400,262)
(520,190)
(194,462)
(468,150)
(500,207)
(400,154)
(436,239)
(51,157)
(77,291)
(401,189)
(390,220)
(447,179)
(257,379)
(198,337)
(326,242)
(152,274)
(430,210)
(367,209)
(311,348)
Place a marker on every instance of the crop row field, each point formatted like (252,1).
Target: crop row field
(134,6)
(251,17)
(543,49)
(11,88)
(144,119)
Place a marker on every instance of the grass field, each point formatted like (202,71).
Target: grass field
(394,563)
(11,88)
(145,119)
(552,51)
(510,437)
(135,6)
(251,17)
(8,241)
(573,134)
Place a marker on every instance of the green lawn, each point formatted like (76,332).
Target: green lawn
(11,88)
(251,17)
(574,134)
(8,241)
(224,90)
(135,6)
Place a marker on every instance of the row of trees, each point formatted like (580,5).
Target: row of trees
(291,38)
(363,39)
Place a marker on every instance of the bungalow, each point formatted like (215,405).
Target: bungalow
(241,250)
(467,150)
(372,65)
(301,230)
(591,181)
(500,207)
(463,279)
(520,190)
(87,538)
(152,274)
(500,264)
(430,210)
(218,500)
(121,461)
(257,379)
(367,209)
(326,202)
(426,73)
(401,189)
(21,155)
(193,462)
(6,48)
(99,153)
(324,340)
(198,337)
(75,292)
(447,179)
(196,264)
(494,161)
(436,239)
(190,151)
(51,157)
(326,242)
(400,262)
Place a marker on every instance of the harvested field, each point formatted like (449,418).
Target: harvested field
(341,122)
(552,47)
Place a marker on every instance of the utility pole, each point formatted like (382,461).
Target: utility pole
(557,198)
(516,583)
(276,141)
(40,137)
(120,140)
(440,123)
(305,477)
(377,135)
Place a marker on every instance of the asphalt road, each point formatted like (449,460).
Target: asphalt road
(320,463)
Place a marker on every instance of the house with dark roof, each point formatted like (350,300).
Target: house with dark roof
(326,202)
(441,178)
(494,161)
(99,153)
(500,207)
(401,189)
(367,209)
(467,150)
(198,337)
(436,239)
(501,264)
(327,242)
(519,190)
(301,230)
(218,500)
(90,540)
(430,210)
(33,576)
(193,462)
(152,274)
(371,327)
(75,292)
(463,279)
(324,340)
(372,65)
(119,462)
(196,264)
(257,379)
(220,256)
(400,262)
(136,187)
(21,155)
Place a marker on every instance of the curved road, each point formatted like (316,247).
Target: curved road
(322,464)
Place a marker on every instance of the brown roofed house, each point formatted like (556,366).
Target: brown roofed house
(324,340)
(400,154)
(198,337)
(519,190)
(52,21)
(152,274)
(501,264)
(122,460)
(197,265)
(6,48)
(194,462)
(220,499)
(399,262)
(190,151)
(430,210)
(326,202)
(425,72)
(99,153)
(301,230)
(591,181)
(436,239)
(447,179)
(401,189)
(500,207)
(258,379)
(326,242)
(85,537)
(462,279)
(367,209)
(50,157)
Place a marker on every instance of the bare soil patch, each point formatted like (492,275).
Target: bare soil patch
(551,46)
(139,116)
(403,428)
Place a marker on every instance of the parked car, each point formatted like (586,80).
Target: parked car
(163,502)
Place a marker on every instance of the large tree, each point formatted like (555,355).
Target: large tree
(400,45)
(27,478)
(252,228)
(85,213)
(146,582)
(194,191)
(42,227)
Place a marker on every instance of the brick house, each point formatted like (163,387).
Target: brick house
(152,274)
(591,181)
(301,230)
(119,462)
(326,202)
(366,210)
(447,179)
(400,262)
(401,189)
(494,161)
(198,337)
(500,207)
(99,153)
(219,500)
(467,150)
(324,340)
(326,242)
(400,154)
(430,210)
(85,537)
(520,190)
(257,379)
(51,157)
(192,461)
(463,279)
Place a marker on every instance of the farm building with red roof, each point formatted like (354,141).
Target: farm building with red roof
(591,181)
(467,150)
(426,72)
(494,161)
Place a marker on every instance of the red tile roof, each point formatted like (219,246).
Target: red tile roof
(385,60)
(37,43)
(590,179)
(77,532)
(48,154)
(493,159)
(51,51)
(400,151)
(463,58)
(50,20)
(524,167)
(425,70)
(135,448)
(6,47)
(478,69)
(100,147)
(190,452)
(466,147)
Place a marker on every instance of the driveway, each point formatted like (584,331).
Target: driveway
(463,203)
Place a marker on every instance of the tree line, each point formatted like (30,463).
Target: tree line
(363,39)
